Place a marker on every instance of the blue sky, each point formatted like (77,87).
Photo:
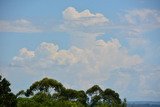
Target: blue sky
(81,43)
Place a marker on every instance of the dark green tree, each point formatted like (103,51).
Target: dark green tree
(124,104)
(7,98)
(74,95)
(45,85)
(110,96)
(51,93)
(22,92)
(70,94)
(95,92)
(82,97)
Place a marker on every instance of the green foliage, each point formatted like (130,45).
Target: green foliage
(34,102)
(94,90)
(111,97)
(44,85)
(62,97)
(39,95)
(95,93)
(124,103)
(67,104)
(107,105)
(22,92)
(27,102)
(7,98)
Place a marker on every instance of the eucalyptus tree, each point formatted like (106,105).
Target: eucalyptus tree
(95,94)
(110,97)
(7,98)
(45,85)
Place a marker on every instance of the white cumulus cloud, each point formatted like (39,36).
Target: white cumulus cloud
(85,21)
(94,63)
(84,18)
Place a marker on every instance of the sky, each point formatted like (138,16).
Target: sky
(112,43)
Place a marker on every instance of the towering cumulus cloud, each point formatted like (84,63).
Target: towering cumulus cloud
(94,63)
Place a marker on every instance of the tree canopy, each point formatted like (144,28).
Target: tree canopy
(51,93)
(7,98)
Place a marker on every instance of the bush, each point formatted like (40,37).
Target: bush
(32,102)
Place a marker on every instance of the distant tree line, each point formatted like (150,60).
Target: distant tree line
(51,93)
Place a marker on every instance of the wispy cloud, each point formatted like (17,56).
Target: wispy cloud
(20,25)
(139,21)
(142,16)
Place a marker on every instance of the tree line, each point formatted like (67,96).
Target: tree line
(51,93)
